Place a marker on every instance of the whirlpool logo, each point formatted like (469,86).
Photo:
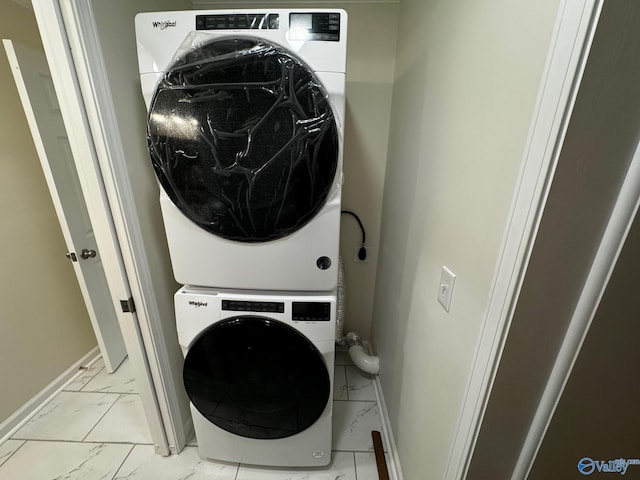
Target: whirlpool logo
(197,304)
(164,24)
(587,465)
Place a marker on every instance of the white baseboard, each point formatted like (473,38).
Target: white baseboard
(31,407)
(388,440)
(395,469)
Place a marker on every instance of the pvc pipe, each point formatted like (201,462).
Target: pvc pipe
(359,357)
(364,361)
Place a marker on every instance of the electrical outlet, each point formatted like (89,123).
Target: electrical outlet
(356,254)
(445,288)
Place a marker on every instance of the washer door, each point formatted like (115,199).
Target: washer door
(257,378)
(243,139)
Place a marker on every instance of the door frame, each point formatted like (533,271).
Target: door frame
(91,70)
(103,210)
(568,51)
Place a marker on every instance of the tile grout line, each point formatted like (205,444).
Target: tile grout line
(355,401)
(115,473)
(42,440)
(103,392)
(103,415)
(12,453)
(92,377)
(355,466)
(353,451)
(235,477)
(82,388)
(346,382)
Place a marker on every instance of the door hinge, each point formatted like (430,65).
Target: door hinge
(128,306)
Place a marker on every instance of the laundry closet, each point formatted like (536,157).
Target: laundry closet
(438,101)
(295,254)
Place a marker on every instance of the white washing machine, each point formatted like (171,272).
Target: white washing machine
(259,374)
(245,132)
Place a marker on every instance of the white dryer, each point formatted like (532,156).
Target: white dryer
(245,132)
(259,373)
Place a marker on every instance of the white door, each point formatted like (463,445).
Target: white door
(33,79)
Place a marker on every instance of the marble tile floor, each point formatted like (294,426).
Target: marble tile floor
(94,429)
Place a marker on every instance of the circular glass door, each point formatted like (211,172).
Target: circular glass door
(257,378)
(243,139)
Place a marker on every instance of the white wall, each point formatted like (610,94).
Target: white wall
(467,75)
(44,322)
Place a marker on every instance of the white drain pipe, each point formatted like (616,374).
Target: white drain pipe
(360,358)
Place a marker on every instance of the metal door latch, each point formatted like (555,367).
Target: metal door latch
(71,256)
(85,254)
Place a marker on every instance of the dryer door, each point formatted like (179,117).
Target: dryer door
(243,139)
(257,378)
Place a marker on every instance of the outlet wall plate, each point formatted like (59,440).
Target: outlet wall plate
(356,250)
(445,287)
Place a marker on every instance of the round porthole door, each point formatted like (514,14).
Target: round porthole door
(243,139)
(256,377)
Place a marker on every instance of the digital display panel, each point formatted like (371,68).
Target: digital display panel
(314,26)
(311,311)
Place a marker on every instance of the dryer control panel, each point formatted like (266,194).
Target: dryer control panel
(314,26)
(244,21)
(303,26)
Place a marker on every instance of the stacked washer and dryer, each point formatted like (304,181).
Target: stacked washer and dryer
(245,133)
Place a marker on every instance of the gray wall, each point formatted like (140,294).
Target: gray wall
(597,416)
(44,323)
(602,136)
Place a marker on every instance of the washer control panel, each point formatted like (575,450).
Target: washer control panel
(248,306)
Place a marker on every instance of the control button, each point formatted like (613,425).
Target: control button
(274,21)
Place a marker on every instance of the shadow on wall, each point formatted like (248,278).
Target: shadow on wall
(404,198)
(367,117)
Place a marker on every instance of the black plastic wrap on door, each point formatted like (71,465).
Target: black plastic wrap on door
(243,138)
